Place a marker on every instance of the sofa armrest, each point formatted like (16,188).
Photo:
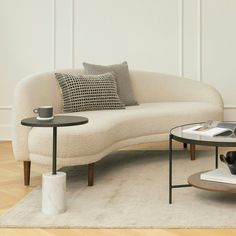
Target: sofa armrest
(32,92)
(168,88)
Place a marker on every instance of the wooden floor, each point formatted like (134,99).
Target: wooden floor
(12,190)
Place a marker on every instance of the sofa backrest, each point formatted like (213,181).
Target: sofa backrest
(157,87)
(147,87)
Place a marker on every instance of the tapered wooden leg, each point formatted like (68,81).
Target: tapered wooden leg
(192,151)
(27,165)
(90,174)
(185,145)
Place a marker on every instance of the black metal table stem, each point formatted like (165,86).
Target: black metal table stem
(54,152)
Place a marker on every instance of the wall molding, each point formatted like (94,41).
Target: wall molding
(54,15)
(6,107)
(75,36)
(199,40)
(181,38)
(229,106)
(73,33)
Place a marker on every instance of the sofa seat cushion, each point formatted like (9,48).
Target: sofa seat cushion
(106,127)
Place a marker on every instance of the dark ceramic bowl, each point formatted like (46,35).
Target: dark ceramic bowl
(230,161)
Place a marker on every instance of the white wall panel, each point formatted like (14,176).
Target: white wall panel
(190,39)
(26,46)
(26,42)
(219,47)
(64,19)
(230,113)
(144,32)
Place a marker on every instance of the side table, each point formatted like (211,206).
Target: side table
(54,183)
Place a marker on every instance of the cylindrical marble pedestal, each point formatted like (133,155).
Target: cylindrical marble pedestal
(53,193)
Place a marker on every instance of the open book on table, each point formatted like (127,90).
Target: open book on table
(221,129)
(222,175)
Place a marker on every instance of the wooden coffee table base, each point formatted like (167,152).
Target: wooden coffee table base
(195,181)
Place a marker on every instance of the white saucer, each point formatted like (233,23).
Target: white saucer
(40,118)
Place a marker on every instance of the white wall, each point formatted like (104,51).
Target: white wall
(191,38)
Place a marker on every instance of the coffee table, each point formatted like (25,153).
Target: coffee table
(194,180)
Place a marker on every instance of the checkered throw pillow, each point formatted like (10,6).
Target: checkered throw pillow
(89,92)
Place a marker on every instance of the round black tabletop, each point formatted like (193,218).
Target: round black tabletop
(178,133)
(57,121)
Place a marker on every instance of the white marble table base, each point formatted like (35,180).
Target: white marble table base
(53,193)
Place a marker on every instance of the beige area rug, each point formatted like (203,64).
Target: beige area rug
(131,190)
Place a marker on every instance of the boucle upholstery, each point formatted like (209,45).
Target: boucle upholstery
(89,92)
(165,101)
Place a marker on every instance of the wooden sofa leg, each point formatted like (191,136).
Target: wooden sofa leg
(90,174)
(192,151)
(185,145)
(27,165)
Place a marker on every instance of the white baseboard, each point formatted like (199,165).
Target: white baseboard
(5,132)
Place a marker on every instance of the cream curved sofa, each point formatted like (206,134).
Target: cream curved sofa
(164,102)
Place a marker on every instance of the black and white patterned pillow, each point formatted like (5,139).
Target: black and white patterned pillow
(89,92)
